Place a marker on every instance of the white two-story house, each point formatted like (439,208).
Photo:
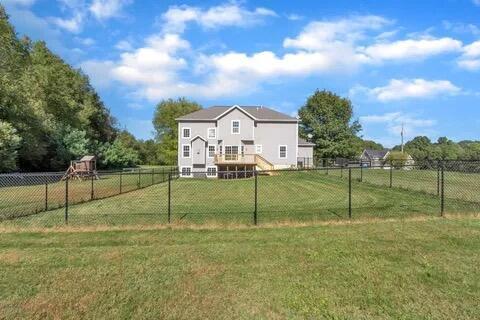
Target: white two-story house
(232,141)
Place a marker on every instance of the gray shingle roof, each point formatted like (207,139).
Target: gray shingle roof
(303,142)
(376,154)
(257,112)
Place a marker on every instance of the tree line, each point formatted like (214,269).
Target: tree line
(49,112)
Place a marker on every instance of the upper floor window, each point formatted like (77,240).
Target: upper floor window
(186,132)
(186,151)
(282,152)
(258,149)
(235,126)
(212,133)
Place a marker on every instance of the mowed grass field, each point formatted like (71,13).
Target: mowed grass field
(286,196)
(405,269)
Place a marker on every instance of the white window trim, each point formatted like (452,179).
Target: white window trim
(216,172)
(191,171)
(183,132)
(189,153)
(256,148)
(231,127)
(208,151)
(208,133)
(286,151)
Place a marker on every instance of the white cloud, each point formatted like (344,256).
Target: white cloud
(476,2)
(85,41)
(124,45)
(470,59)
(73,24)
(411,49)
(399,89)
(230,14)
(100,72)
(459,27)
(322,35)
(105,9)
(294,17)
(166,66)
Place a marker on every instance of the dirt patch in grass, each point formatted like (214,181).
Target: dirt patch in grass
(10,257)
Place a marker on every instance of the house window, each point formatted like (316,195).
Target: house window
(235,126)
(186,171)
(211,151)
(220,149)
(211,171)
(242,150)
(258,149)
(186,151)
(186,133)
(212,133)
(282,152)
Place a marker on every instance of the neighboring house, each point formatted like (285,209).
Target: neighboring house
(374,158)
(379,159)
(305,153)
(235,140)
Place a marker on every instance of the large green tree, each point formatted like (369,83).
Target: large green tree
(326,120)
(48,103)
(166,126)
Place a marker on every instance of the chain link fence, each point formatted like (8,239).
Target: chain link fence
(161,196)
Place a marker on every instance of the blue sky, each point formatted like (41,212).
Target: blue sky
(405,61)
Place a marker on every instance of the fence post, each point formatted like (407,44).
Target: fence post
(391,174)
(438,178)
(341,171)
(361,171)
(350,193)
(139,179)
(169,197)
(66,200)
(46,193)
(121,176)
(153,176)
(91,188)
(255,212)
(442,187)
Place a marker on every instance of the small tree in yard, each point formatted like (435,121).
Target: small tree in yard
(397,159)
(117,155)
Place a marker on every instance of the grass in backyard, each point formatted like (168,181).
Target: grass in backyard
(291,195)
(384,270)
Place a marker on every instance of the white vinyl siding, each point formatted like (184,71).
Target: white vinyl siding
(235,126)
(282,152)
(186,152)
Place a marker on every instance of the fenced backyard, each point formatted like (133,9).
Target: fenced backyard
(147,197)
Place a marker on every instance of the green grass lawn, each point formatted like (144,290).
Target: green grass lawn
(21,200)
(291,195)
(383,270)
